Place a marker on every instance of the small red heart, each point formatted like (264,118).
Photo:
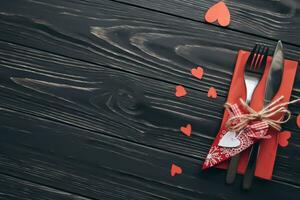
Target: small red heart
(284,138)
(212,93)
(298,121)
(187,130)
(218,12)
(180,91)
(197,72)
(175,170)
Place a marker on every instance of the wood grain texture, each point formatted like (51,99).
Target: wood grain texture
(40,105)
(131,39)
(102,167)
(88,107)
(278,20)
(12,188)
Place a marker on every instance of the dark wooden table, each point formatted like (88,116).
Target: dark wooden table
(87,101)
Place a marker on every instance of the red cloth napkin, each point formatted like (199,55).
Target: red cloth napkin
(268,147)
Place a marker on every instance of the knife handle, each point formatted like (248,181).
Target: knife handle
(249,174)
(232,169)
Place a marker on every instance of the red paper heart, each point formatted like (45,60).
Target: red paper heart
(298,121)
(218,12)
(284,137)
(175,170)
(197,72)
(212,93)
(187,130)
(180,91)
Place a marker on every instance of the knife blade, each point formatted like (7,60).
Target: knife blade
(272,85)
(275,74)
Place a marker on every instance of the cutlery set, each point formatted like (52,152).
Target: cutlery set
(272,86)
(256,107)
(254,70)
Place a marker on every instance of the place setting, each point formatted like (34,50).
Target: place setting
(256,108)
(150,100)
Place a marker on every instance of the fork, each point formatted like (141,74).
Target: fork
(254,69)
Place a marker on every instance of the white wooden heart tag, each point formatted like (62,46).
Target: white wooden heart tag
(229,140)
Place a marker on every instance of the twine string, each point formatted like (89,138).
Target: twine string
(239,122)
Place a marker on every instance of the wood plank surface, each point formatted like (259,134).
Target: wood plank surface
(145,43)
(278,20)
(96,99)
(60,100)
(88,106)
(12,188)
(102,167)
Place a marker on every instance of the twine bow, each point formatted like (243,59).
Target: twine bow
(239,122)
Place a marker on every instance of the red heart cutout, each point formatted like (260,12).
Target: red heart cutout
(187,130)
(212,93)
(197,72)
(175,170)
(218,12)
(298,121)
(284,137)
(180,91)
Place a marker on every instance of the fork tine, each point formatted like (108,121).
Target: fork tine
(264,58)
(259,62)
(261,57)
(250,58)
(257,57)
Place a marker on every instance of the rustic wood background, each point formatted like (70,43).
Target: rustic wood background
(87,97)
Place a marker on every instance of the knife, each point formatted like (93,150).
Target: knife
(272,85)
